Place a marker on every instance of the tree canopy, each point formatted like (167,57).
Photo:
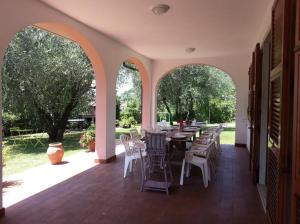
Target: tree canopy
(129,90)
(197,92)
(45,76)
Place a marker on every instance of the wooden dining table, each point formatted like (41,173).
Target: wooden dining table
(179,141)
(180,137)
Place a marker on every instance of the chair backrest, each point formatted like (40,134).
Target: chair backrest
(205,138)
(125,139)
(157,128)
(143,132)
(134,134)
(156,143)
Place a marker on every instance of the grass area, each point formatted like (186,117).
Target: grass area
(18,157)
(227,136)
(228,133)
(120,131)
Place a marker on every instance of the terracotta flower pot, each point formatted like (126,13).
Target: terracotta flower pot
(55,152)
(92,146)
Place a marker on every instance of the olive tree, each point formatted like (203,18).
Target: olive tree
(45,76)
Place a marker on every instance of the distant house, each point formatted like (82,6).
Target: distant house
(90,116)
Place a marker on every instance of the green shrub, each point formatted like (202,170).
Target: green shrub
(126,122)
(9,120)
(88,136)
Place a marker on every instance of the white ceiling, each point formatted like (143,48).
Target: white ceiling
(213,27)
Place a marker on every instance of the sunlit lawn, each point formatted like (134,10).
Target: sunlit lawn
(19,157)
(120,130)
(227,136)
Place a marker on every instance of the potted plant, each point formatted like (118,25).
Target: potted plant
(88,138)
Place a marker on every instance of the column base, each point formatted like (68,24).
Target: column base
(2,212)
(108,160)
(240,145)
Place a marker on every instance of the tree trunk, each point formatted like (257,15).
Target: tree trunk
(169,110)
(56,134)
(177,110)
(56,131)
(191,108)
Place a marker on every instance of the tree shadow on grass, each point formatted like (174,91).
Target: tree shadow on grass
(10,184)
(29,145)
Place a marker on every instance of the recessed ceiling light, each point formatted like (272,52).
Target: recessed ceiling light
(160,9)
(190,49)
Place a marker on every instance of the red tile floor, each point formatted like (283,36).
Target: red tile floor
(101,195)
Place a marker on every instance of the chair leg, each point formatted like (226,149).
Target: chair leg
(188,169)
(182,172)
(130,166)
(127,161)
(170,170)
(143,174)
(204,174)
(208,171)
(166,180)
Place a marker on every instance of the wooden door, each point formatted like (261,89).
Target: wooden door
(280,103)
(296,130)
(255,74)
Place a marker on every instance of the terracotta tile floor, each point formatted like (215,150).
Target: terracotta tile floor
(101,195)
(22,185)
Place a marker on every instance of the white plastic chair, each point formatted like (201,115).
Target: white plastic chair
(131,153)
(216,132)
(195,157)
(136,140)
(143,132)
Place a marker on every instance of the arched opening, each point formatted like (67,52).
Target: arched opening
(81,57)
(101,84)
(146,99)
(198,92)
(129,93)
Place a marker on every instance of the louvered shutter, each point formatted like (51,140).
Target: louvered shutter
(279,126)
(255,73)
(296,130)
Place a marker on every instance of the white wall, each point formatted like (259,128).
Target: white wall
(234,65)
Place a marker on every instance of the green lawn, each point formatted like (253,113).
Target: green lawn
(228,133)
(120,131)
(227,136)
(18,158)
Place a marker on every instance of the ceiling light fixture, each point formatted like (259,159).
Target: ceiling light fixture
(160,9)
(190,50)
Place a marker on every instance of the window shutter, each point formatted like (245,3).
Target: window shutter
(280,104)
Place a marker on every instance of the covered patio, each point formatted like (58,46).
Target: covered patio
(101,195)
(230,35)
